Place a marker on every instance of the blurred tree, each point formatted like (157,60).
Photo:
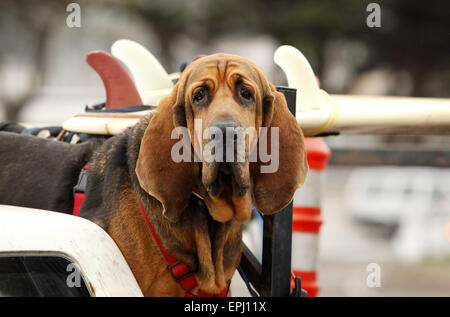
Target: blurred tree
(26,28)
(414,35)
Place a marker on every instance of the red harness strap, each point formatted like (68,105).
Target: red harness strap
(78,201)
(78,191)
(180,271)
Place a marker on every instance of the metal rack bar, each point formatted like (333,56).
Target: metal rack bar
(273,277)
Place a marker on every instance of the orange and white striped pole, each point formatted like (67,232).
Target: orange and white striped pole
(307,217)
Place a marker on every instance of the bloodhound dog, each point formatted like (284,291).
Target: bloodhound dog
(196,204)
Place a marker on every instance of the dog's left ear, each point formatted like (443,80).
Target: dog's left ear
(274,188)
(168,180)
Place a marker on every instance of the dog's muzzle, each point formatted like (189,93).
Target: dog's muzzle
(225,158)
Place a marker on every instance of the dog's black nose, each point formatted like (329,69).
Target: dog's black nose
(225,136)
(229,131)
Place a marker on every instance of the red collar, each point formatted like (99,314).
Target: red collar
(180,271)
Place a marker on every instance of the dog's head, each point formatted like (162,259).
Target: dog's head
(226,133)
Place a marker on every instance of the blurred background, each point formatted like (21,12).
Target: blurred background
(387,198)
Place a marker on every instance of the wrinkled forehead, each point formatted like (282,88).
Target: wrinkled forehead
(220,68)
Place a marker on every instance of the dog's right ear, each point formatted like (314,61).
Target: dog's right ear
(273,190)
(158,173)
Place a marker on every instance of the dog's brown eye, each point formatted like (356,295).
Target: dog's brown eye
(200,95)
(245,93)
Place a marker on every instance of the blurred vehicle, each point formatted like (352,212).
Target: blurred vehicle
(413,200)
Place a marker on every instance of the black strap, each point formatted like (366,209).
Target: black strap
(100,108)
(80,187)
(247,282)
(298,291)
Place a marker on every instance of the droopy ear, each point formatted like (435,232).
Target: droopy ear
(158,173)
(274,187)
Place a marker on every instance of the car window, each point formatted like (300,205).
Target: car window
(40,276)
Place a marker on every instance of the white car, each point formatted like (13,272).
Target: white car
(44,253)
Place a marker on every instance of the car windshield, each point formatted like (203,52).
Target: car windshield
(40,276)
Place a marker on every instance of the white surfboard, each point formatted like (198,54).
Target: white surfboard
(300,76)
(151,79)
(320,113)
